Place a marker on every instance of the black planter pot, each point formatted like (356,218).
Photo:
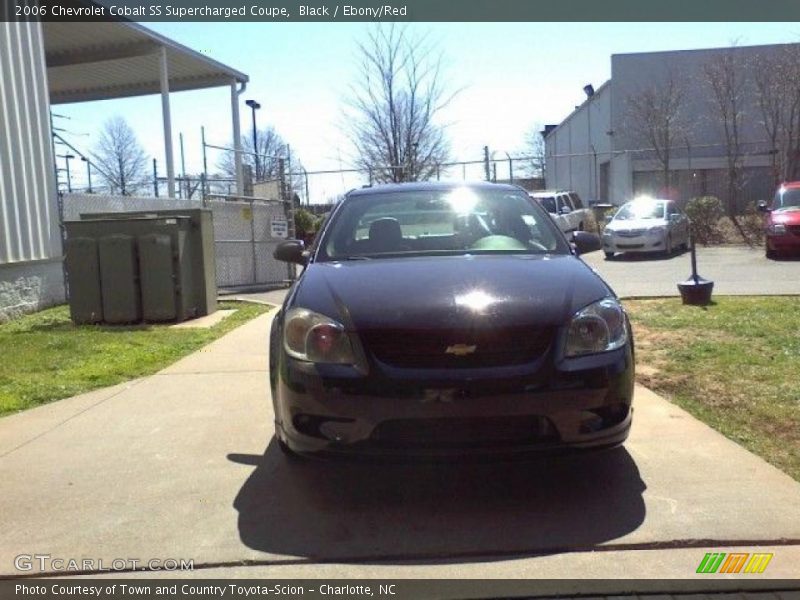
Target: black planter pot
(697,293)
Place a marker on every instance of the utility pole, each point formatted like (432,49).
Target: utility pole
(88,172)
(155,177)
(205,161)
(305,176)
(486,162)
(67,158)
(185,188)
(121,176)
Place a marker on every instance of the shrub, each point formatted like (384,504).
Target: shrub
(753,224)
(305,222)
(705,213)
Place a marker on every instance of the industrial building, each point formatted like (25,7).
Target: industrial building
(44,64)
(599,152)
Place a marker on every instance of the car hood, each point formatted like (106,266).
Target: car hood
(449,292)
(787,216)
(626,224)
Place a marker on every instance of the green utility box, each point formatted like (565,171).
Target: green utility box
(200,248)
(145,268)
(119,279)
(83,266)
(166,274)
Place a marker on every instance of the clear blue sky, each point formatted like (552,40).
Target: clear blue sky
(512,76)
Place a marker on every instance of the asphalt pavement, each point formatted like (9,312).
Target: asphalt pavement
(735,270)
(183,465)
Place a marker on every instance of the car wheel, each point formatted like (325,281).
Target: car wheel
(609,255)
(668,246)
(580,226)
(771,254)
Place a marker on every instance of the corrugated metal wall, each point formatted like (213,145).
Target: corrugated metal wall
(28,206)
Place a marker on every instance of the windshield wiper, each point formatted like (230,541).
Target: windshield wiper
(354,257)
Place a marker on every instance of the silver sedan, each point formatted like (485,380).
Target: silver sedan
(647,225)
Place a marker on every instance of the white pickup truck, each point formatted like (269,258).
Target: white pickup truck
(566,209)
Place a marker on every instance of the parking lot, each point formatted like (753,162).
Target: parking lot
(735,270)
(183,465)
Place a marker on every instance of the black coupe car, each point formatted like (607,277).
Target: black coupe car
(440,319)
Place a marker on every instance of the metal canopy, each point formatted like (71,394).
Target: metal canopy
(104,60)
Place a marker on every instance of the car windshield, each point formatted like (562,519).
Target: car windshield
(462,220)
(786,199)
(639,209)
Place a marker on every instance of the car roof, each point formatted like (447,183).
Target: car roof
(422,186)
(543,193)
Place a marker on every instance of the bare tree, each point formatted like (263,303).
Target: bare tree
(395,108)
(535,149)
(271,146)
(120,159)
(725,75)
(777,86)
(657,117)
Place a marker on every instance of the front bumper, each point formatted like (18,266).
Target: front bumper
(639,243)
(788,242)
(584,406)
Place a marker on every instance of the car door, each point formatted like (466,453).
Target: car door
(678,224)
(569,215)
(578,211)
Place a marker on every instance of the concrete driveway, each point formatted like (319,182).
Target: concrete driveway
(182,465)
(735,270)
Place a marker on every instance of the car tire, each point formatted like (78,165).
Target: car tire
(609,255)
(771,254)
(668,249)
(287,452)
(580,226)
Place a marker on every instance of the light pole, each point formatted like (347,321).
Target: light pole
(88,172)
(510,168)
(254,106)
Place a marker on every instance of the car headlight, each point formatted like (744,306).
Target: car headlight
(316,338)
(599,327)
(777,229)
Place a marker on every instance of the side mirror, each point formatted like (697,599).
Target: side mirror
(565,210)
(762,206)
(586,242)
(675,218)
(291,251)
(609,218)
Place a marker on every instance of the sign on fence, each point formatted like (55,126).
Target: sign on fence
(279,228)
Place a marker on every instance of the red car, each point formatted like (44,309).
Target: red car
(782,220)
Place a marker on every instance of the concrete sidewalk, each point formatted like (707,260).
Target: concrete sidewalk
(181,465)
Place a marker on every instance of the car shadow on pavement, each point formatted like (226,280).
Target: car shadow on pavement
(647,256)
(437,512)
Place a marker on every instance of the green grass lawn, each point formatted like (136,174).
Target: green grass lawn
(735,365)
(44,357)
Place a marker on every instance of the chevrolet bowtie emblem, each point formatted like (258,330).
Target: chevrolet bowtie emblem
(460,349)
